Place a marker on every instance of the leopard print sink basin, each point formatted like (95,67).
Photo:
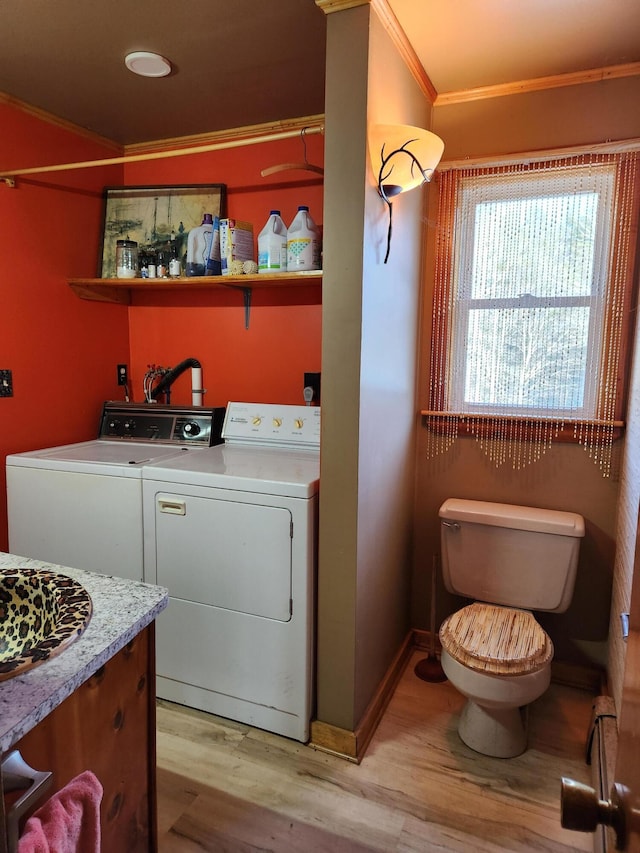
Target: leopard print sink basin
(41,613)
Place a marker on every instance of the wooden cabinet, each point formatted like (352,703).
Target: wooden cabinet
(108,726)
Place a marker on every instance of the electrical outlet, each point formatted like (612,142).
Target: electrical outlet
(123,377)
(6,383)
(312,380)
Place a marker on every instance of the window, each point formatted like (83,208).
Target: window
(533,281)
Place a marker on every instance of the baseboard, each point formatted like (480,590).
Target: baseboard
(334,740)
(352,745)
(422,640)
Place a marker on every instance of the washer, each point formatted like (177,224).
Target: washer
(231,532)
(80,505)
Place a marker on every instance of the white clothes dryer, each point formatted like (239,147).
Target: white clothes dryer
(80,505)
(231,532)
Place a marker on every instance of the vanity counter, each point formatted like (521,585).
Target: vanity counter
(92,707)
(121,610)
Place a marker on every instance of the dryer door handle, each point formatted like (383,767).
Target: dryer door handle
(172,507)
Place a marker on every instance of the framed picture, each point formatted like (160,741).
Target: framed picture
(153,215)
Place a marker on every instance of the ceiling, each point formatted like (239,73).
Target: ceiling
(245,62)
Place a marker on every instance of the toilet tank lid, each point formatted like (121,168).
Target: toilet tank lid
(517,517)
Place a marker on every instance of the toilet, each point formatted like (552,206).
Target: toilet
(509,560)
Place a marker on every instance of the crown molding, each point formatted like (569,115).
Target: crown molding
(404,47)
(314,122)
(396,33)
(329,6)
(538,84)
(62,123)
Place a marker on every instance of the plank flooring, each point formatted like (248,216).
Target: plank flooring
(224,786)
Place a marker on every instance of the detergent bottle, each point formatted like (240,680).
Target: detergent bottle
(198,246)
(303,242)
(272,245)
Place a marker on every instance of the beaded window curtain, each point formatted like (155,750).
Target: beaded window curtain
(533,281)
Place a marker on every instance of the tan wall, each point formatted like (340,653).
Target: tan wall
(574,115)
(388,377)
(345,123)
(627,529)
(370,341)
(566,478)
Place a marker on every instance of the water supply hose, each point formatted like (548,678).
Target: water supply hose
(170,377)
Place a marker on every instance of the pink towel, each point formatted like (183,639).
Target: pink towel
(69,822)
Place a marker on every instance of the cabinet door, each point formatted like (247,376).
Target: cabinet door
(108,726)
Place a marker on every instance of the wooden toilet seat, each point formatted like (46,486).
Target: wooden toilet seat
(497,640)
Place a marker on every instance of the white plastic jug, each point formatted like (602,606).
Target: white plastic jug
(199,245)
(272,245)
(303,242)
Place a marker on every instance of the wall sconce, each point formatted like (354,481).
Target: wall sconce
(404,157)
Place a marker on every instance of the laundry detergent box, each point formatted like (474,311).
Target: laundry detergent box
(236,243)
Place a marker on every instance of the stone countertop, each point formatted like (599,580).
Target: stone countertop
(121,609)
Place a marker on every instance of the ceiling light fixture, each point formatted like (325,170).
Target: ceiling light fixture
(404,157)
(147,64)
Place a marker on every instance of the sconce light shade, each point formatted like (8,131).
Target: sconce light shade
(403,156)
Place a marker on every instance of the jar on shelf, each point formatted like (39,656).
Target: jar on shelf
(126,259)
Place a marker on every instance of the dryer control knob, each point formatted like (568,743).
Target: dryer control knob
(129,425)
(191,428)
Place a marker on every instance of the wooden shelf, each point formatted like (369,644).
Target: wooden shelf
(119,290)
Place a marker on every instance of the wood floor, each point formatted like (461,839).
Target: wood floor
(224,786)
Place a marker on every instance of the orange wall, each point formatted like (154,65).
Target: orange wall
(62,351)
(265,362)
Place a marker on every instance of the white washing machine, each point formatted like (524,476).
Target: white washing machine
(231,532)
(80,505)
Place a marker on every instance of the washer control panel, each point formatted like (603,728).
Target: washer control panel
(162,424)
(272,425)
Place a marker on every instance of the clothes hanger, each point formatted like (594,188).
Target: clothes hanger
(286,167)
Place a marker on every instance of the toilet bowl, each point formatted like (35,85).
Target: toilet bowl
(500,659)
(511,560)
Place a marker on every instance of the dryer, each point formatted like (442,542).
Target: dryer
(231,532)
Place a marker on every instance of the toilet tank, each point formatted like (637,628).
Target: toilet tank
(518,556)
